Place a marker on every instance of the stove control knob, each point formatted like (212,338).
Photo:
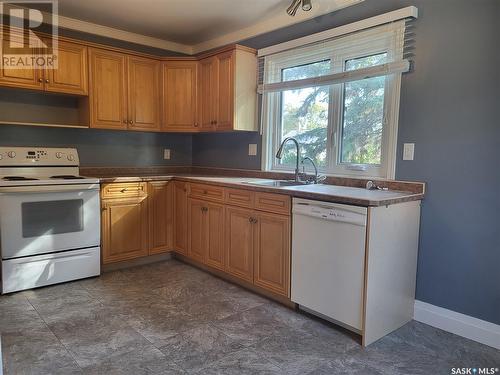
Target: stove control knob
(11,154)
(71,157)
(59,155)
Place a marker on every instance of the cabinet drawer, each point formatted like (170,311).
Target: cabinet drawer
(239,197)
(124,190)
(276,203)
(207,192)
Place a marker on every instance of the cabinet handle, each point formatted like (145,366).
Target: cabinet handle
(47,81)
(130,122)
(123,190)
(40,80)
(125,121)
(195,124)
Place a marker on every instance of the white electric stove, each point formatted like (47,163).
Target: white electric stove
(49,218)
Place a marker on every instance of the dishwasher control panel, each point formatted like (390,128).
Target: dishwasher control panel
(330,211)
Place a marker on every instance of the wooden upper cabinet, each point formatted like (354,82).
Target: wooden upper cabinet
(272,253)
(143,93)
(207,93)
(124,229)
(179,95)
(29,78)
(160,206)
(71,74)
(108,89)
(181,217)
(228,91)
(239,242)
(225,91)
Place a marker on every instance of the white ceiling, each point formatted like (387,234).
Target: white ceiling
(191,25)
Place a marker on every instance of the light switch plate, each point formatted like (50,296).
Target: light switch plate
(166,154)
(408,151)
(252,149)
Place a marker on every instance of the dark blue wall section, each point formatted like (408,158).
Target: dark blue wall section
(450,108)
(226,150)
(104,147)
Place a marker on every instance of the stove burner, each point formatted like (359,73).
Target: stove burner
(19,178)
(67,177)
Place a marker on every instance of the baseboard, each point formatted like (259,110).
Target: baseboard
(135,262)
(462,325)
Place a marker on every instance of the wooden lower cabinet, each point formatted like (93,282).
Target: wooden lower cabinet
(272,253)
(214,227)
(206,233)
(124,229)
(239,242)
(197,231)
(161,225)
(181,217)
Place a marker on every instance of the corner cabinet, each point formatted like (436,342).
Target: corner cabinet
(179,93)
(124,91)
(227,88)
(161,220)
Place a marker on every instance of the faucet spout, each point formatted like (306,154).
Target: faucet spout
(279,154)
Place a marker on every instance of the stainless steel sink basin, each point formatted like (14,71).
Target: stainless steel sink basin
(275,183)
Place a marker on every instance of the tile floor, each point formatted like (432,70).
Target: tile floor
(170,318)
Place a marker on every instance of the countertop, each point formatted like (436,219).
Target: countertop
(323,192)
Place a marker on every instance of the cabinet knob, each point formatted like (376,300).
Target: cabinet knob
(130,122)
(124,121)
(40,80)
(195,124)
(46,81)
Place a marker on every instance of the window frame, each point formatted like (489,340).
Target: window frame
(383,39)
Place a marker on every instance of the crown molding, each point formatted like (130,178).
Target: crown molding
(110,32)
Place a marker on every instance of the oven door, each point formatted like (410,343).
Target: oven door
(44,219)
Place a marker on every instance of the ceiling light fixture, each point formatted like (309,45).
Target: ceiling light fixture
(306,5)
(294,6)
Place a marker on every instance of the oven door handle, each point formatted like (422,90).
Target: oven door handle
(48,188)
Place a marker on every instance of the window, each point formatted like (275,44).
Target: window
(348,128)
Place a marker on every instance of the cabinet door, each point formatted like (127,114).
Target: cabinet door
(160,202)
(108,91)
(180,217)
(225,91)
(239,242)
(71,75)
(179,96)
(272,253)
(214,228)
(197,230)
(208,93)
(143,94)
(124,229)
(29,78)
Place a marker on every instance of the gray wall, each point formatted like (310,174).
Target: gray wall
(450,109)
(104,147)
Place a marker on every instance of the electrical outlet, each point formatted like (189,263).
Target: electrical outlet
(166,154)
(408,151)
(252,149)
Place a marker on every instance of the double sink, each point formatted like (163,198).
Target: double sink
(275,183)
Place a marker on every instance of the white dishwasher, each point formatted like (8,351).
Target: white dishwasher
(328,260)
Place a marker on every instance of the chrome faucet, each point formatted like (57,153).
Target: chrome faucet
(279,154)
(317,178)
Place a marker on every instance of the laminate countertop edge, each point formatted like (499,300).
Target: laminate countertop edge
(339,194)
